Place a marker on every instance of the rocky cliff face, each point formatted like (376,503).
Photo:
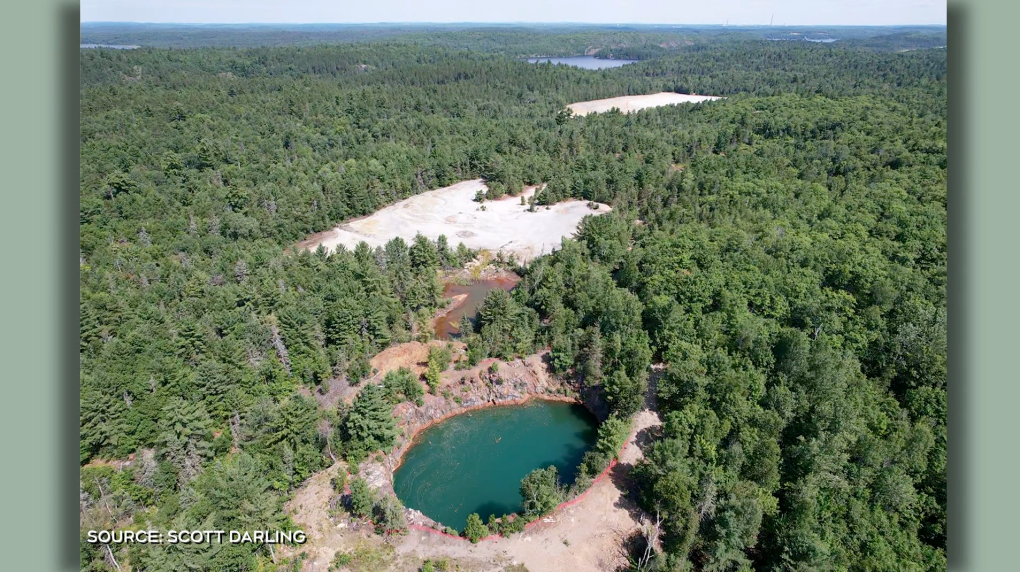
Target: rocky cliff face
(514,383)
(461,391)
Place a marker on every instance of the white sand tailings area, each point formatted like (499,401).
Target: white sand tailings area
(631,103)
(504,224)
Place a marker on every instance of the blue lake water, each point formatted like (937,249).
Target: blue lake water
(584,62)
(108,46)
(817,41)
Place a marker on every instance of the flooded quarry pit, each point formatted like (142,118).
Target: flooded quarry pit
(474,462)
(504,224)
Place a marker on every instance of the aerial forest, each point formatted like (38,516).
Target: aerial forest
(773,272)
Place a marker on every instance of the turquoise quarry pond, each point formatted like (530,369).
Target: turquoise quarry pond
(474,462)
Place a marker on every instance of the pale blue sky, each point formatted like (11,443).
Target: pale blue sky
(738,12)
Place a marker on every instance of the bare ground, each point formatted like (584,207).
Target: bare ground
(496,225)
(412,355)
(632,103)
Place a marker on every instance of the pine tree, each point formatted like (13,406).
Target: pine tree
(236,491)
(423,253)
(369,424)
(446,256)
(389,514)
(362,498)
(186,437)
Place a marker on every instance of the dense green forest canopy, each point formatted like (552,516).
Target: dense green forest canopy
(781,253)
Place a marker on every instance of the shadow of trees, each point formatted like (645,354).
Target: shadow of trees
(622,477)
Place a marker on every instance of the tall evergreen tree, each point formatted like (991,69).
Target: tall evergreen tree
(369,425)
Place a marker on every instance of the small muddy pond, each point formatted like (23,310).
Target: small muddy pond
(448,325)
(474,462)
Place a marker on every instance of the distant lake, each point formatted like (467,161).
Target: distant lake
(583,62)
(818,41)
(109,46)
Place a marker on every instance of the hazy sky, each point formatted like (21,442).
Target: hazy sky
(737,12)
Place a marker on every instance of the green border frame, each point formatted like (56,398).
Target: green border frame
(38,324)
(983,461)
(38,159)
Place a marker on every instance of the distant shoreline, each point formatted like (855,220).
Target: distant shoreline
(108,46)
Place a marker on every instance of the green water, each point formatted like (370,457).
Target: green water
(474,462)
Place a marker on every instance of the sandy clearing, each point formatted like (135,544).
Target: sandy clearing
(412,355)
(504,224)
(631,103)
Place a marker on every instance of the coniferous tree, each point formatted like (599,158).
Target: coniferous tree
(363,498)
(369,425)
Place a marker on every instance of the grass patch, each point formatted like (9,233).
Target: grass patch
(364,558)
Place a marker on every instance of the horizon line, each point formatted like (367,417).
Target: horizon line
(504,23)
